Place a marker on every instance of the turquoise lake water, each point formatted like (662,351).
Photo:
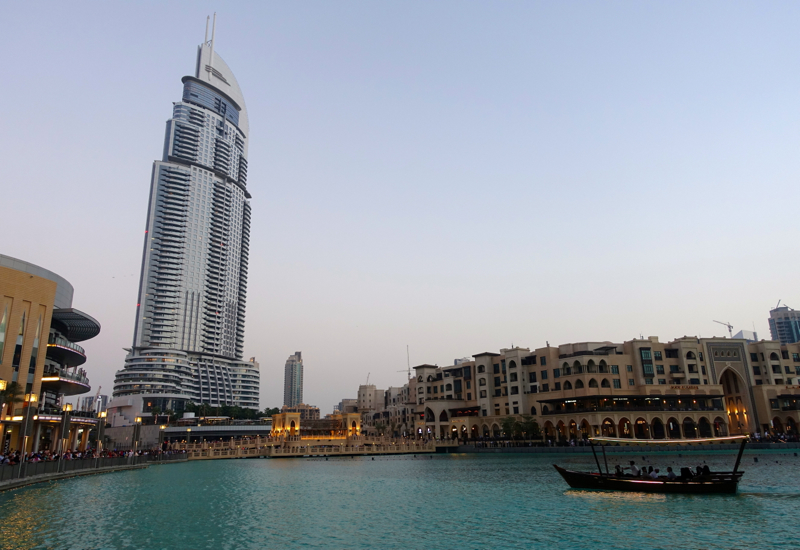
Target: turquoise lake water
(444,502)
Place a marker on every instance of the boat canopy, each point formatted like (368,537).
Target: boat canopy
(665,442)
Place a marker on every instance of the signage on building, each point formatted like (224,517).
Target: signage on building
(793,387)
(684,387)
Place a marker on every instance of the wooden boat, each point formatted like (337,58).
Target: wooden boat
(715,482)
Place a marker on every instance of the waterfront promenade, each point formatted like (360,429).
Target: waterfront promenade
(298,447)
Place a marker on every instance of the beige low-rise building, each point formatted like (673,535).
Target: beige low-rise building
(643,388)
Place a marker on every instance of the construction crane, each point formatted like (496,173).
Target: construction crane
(408,363)
(730,327)
(367,384)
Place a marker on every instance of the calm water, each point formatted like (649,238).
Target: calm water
(444,502)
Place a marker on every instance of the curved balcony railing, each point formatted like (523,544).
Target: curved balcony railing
(78,376)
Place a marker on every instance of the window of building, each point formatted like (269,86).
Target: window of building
(469,396)
(514,390)
(629,368)
(662,381)
(531,377)
(513,376)
(533,389)
(756,370)
(754,357)
(483,412)
(759,382)
(614,369)
(631,382)
(776,369)
(657,355)
(544,375)
(543,362)
(773,403)
(496,381)
(497,392)
(556,386)
(692,368)
(496,368)
(556,373)
(483,393)
(659,369)
(481,368)
(796,357)
(700,354)
(482,381)
(516,410)
(617,383)
(545,387)
(695,381)
(648,381)
(784,354)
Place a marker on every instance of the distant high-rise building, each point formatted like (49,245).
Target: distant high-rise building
(188,337)
(293,380)
(749,335)
(784,325)
(90,404)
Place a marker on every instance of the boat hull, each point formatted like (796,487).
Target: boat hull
(582,480)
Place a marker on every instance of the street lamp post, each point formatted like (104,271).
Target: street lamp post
(64,435)
(101,434)
(27,418)
(137,426)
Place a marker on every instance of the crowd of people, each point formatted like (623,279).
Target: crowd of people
(11,458)
(648,472)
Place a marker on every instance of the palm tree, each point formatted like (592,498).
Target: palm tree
(12,394)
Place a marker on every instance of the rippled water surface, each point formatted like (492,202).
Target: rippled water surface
(444,502)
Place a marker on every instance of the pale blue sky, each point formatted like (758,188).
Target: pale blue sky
(453,176)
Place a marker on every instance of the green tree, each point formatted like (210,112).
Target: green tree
(529,427)
(11,395)
(510,426)
(155,411)
(270,412)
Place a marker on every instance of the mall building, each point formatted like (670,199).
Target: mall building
(41,360)
(643,388)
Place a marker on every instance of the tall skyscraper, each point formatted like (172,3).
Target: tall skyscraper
(784,325)
(188,337)
(293,380)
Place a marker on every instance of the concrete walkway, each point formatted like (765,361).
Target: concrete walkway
(17,483)
(788,447)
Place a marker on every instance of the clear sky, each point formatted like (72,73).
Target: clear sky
(452,176)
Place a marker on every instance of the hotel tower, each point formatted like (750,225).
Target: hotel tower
(189,333)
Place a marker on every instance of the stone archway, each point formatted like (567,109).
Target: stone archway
(720,428)
(625,428)
(608,428)
(657,428)
(704,428)
(777,425)
(641,429)
(689,428)
(673,428)
(734,390)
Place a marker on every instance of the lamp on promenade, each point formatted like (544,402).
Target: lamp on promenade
(25,428)
(137,427)
(161,437)
(64,434)
(101,430)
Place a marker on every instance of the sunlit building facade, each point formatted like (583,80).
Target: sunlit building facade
(41,356)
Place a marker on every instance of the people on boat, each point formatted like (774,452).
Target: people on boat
(618,471)
(670,474)
(706,470)
(650,471)
(686,474)
(635,471)
(654,473)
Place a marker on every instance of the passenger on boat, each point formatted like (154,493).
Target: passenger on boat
(654,474)
(686,474)
(670,474)
(618,471)
(650,471)
(635,471)
(706,470)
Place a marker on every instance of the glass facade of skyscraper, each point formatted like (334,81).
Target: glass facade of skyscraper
(189,331)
